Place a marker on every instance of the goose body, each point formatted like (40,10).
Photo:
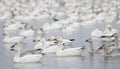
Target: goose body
(96,33)
(70,52)
(27,33)
(41,43)
(13,39)
(25,57)
(13,27)
(8,39)
(52,49)
(28,59)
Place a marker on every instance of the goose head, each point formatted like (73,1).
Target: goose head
(5,33)
(23,26)
(88,40)
(39,39)
(109,27)
(52,38)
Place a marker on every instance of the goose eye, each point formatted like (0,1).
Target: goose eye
(38,40)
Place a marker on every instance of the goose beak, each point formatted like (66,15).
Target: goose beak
(88,40)
(55,42)
(12,49)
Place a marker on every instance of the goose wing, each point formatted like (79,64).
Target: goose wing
(31,52)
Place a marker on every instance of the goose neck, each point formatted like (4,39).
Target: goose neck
(17,53)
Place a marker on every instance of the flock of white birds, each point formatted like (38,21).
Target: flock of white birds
(56,15)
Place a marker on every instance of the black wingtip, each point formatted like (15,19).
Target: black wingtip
(86,40)
(83,47)
(72,39)
(13,45)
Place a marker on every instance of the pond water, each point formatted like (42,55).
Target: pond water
(86,61)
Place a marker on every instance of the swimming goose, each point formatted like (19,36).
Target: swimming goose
(40,32)
(67,42)
(51,50)
(56,47)
(71,52)
(110,31)
(13,27)
(96,33)
(41,43)
(27,33)
(110,34)
(8,39)
(26,57)
(46,27)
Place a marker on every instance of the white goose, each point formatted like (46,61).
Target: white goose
(67,42)
(70,51)
(110,34)
(13,27)
(26,57)
(41,43)
(8,39)
(56,47)
(46,27)
(96,33)
(52,49)
(27,33)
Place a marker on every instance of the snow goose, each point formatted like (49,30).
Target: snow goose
(13,27)
(67,30)
(67,42)
(46,27)
(26,57)
(51,49)
(40,32)
(70,51)
(56,26)
(27,33)
(110,31)
(110,35)
(41,43)
(8,39)
(96,33)
(57,47)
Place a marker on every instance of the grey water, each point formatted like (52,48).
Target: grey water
(86,61)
